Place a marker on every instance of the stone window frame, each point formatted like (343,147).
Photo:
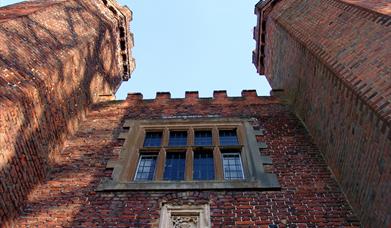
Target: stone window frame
(125,168)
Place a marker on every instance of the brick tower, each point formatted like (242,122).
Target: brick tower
(56,59)
(330,60)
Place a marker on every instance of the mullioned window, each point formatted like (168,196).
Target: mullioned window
(199,153)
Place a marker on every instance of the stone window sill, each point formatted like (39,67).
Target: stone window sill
(267,181)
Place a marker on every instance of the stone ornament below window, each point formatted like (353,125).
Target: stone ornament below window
(185,216)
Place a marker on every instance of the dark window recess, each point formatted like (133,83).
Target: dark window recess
(178,138)
(123,45)
(153,139)
(113,10)
(228,137)
(146,167)
(175,166)
(233,169)
(121,32)
(203,167)
(203,138)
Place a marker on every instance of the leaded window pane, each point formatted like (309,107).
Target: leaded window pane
(228,137)
(146,167)
(203,166)
(175,166)
(203,138)
(153,139)
(233,168)
(178,138)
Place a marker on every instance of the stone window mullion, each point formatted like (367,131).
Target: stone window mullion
(166,134)
(217,159)
(190,137)
(161,159)
(215,136)
(189,164)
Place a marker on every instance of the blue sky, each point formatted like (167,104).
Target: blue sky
(183,45)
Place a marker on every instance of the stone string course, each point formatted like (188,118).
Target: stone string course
(309,197)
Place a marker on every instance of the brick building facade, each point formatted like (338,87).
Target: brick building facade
(308,195)
(70,156)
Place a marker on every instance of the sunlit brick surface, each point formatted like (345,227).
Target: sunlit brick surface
(309,196)
(330,60)
(56,58)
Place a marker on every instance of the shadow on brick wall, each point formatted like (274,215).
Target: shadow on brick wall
(47,93)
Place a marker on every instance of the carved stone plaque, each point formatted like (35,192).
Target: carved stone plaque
(185,216)
(184,221)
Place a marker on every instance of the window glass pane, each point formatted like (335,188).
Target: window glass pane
(178,138)
(232,166)
(175,166)
(203,167)
(146,167)
(228,137)
(203,138)
(153,139)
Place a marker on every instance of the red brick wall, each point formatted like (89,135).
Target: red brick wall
(380,6)
(331,60)
(309,194)
(56,58)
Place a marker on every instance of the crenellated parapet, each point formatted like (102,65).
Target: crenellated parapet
(220,97)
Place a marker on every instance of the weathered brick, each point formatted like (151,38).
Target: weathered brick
(329,59)
(56,59)
(69,198)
